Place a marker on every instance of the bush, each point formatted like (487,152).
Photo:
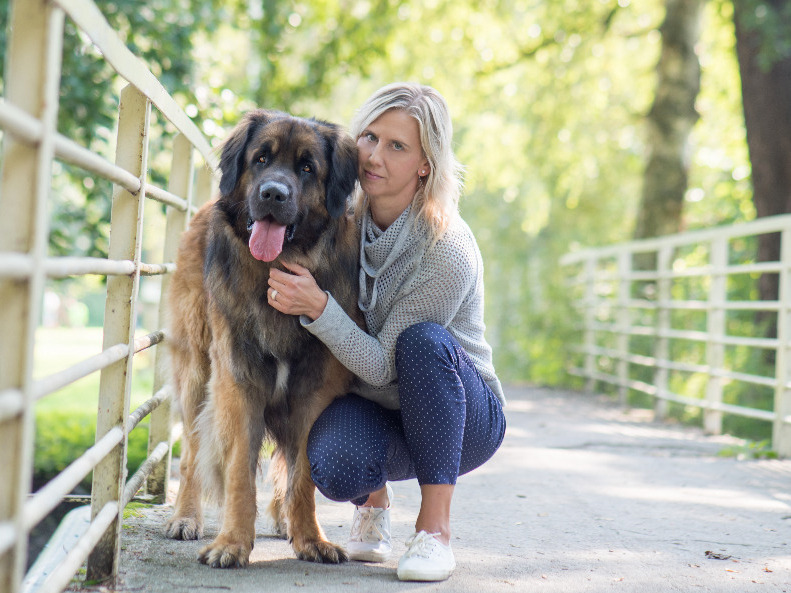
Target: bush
(62,436)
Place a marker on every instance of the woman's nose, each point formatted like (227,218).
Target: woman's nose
(374,155)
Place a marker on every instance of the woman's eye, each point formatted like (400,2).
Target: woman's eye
(398,146)
(370,137)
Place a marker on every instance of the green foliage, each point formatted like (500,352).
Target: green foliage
(548,101)
(135,509)
(768,21)
(750,450)
(62,436)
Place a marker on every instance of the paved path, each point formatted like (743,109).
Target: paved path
(582,497)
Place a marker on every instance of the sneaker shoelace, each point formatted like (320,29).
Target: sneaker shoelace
(421,545)
(367,526)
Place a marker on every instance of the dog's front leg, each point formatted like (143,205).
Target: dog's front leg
(238,444)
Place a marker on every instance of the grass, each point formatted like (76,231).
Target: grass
(66,419)
(59,348)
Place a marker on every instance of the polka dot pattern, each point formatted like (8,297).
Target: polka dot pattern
(406,279)
(450,422)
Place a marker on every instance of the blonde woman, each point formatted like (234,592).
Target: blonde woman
(427,403)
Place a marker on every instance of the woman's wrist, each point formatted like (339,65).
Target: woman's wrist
(320,305)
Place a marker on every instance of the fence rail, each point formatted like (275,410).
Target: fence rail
(28,116)
(692,314)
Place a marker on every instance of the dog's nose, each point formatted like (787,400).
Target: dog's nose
(274,191)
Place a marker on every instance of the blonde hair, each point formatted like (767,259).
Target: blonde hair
(437,198)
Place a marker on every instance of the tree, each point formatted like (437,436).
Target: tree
(670,121)
(88,106)
(763,45)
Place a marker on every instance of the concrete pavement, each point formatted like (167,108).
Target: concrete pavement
(582,497)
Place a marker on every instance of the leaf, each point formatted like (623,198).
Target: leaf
(716,556)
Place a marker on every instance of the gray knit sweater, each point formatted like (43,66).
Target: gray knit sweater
(403,281)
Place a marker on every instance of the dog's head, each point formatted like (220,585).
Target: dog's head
(284,179)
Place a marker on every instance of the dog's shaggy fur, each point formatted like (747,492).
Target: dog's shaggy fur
(244,371)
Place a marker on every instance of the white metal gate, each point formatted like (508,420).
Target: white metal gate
(611,293)
(28,115)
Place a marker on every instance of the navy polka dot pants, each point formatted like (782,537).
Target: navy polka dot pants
(450,422)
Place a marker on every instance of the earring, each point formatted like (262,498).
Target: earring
(423,172)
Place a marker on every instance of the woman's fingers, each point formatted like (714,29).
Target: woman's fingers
(297,292)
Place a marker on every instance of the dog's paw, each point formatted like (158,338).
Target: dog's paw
(225,555)
(184,528)
(321,551)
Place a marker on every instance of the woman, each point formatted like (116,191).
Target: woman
(427,402)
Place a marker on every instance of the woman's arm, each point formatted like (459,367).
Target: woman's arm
(446,277)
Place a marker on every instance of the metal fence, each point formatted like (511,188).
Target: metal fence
(685,330)
(28,116)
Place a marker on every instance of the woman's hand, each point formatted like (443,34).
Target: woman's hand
(296,293)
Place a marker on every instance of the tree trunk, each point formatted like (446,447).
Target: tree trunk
(670,121)
(766,96)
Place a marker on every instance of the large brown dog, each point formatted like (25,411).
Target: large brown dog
(244,371)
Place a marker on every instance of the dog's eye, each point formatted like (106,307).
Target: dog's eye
(307,169)
(262,159)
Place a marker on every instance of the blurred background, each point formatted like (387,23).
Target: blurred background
(580,123)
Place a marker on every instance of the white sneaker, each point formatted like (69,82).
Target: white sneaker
(369,540)
(426,559)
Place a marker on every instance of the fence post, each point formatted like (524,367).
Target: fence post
(715,331)
(119,325)
(662,344)
(159,431)
(204,186)
(624,323)
(589,303)
(32,84)
(781,430)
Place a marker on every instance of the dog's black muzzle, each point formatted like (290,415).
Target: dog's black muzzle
(275,199)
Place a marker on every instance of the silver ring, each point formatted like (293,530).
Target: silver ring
(274,294)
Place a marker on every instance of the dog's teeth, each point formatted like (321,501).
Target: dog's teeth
(249,224)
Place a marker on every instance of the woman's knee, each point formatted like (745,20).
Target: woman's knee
(341,451)
(330,468)
(421,339)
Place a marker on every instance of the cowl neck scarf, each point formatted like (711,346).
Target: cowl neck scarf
(378,250)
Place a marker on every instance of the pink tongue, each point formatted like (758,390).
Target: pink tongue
(266,239)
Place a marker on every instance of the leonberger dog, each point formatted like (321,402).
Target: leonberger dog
(243,371)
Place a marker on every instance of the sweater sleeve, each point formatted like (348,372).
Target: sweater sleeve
(435,294)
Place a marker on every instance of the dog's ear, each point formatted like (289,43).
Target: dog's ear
(233,149)
(343,169)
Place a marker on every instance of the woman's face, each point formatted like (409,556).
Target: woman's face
(390,160)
